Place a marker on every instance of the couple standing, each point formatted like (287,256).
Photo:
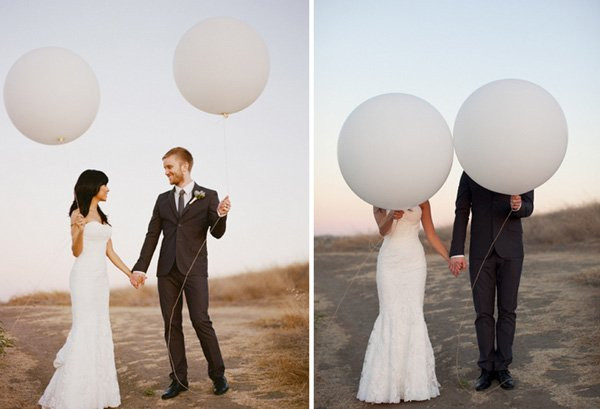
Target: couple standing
(85,375)
(399,363)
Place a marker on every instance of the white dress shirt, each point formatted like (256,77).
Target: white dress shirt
(187,196)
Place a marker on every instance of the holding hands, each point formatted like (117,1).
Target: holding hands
(457,264)
(137,279)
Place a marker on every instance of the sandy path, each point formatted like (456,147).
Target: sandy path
(556,351)
(141,357)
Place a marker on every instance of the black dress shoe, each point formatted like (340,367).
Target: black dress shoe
(485,380)
(174,389)
(220,385)
(505,379)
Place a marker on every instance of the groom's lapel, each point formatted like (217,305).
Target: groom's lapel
(171,199)
(192,200)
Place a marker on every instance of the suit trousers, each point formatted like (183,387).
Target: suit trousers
(499,276)
(196,296)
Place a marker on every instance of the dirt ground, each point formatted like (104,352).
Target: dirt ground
(557,345)
(141,357)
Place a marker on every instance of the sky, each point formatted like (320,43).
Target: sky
(258,156)
(442,51)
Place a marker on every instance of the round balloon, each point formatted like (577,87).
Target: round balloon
(395,151)
(510,136)
(51,95)
(221,65)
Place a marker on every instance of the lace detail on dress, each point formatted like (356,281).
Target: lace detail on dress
(399,363)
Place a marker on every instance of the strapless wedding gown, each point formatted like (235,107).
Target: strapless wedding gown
(399,364)
(85,376)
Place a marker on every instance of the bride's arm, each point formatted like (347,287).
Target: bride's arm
(115,259)
(432,236)
(384,219)
(77,225)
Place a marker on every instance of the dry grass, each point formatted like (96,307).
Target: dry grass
(42,298)
(120,297)
(261,285)
(285,339)
(5,340)
(146,296)
(264,285)
(369,242)
(286,343)
(569,225)
(359,242)
(590,276)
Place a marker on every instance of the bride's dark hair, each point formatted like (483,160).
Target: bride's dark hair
(87,186)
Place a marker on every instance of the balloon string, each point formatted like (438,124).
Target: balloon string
(489,251)
(177,301)
(225,151)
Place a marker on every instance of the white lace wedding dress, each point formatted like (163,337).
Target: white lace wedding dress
(85,376)
(399,363)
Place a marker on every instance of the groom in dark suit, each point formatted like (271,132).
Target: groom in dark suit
(500,273)
(184,215)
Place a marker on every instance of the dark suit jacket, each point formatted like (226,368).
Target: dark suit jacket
(489,210)
(182,237)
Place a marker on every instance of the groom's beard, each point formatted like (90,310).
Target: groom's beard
(175,178)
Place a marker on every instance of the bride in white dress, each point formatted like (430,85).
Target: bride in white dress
(399,364)
(85,376)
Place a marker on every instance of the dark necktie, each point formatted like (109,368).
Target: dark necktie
(180,204)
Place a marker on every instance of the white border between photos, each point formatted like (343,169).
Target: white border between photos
(311,202)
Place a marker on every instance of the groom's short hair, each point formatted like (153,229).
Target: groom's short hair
(182,153)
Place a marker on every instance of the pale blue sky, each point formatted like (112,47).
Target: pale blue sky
(130,46)
(442,51)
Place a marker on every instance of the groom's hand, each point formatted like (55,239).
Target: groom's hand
(224,207)
(137,279)
(515,203)
(134,281)
(457,264)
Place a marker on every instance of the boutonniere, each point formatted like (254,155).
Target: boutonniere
(199,194)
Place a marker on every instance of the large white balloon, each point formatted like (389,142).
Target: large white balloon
(395,151)
(221,65)
(510,136)
(51,95)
